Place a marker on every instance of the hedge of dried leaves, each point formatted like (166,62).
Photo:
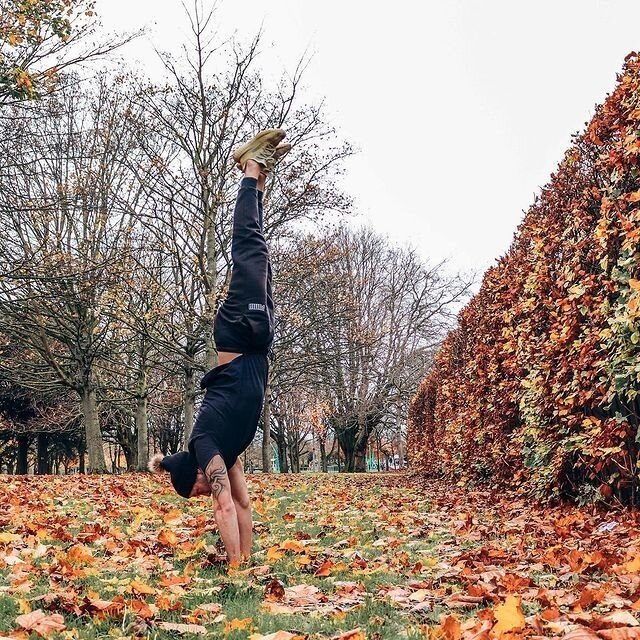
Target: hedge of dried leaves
(538,385)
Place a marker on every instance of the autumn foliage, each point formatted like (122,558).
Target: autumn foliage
(537,387)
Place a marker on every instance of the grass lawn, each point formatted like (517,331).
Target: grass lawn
(378,556)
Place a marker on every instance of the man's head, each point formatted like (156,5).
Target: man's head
(182,468)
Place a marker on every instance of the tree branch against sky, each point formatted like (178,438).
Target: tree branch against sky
(42,39)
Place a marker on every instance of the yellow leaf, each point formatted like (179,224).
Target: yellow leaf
(5,537)
(140,587)
(633,566)
(274,554)
(509,616)
(236,623)
(24,605)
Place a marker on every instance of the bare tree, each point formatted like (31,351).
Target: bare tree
(359,325)
(65,226)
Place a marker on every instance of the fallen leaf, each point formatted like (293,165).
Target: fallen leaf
(509,616)
(182,628)
(278,635)
(40,623)
(168,538)
(354,634)
(237,623)
(621,633)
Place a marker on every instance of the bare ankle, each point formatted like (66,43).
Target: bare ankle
(252,169)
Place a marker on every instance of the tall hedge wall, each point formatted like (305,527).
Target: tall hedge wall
(538,385)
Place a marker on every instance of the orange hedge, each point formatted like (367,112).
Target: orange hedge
(538,385)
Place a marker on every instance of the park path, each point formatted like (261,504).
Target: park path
(336,556)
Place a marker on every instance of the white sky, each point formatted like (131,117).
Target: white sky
(461,109)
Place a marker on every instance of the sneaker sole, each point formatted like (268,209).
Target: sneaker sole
(259,141)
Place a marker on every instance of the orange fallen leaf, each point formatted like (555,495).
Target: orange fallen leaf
(174,516)
(451,628)
(168,538)
(79,554)
(353,634)
(324,569)
(292,545)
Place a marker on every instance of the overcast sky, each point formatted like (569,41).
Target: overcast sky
(461,109)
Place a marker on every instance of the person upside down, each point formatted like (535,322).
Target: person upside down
(243,331)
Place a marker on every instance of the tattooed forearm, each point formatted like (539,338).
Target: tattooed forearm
(216,472)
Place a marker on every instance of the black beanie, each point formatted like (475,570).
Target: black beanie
(183,470)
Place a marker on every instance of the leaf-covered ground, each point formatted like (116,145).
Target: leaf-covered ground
(337,556)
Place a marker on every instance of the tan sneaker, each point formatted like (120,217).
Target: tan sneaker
(261,148)
(282,149)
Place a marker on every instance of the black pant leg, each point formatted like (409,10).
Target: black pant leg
(243,323)
(270,305)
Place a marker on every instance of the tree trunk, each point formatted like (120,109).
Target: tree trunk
(266,430)
(400,447)
(189,403)
(95,448)
(42,443)
(324,465)
(294,456)
(281,444)
(143,433)
(23,451)
(81,466)
(359,460)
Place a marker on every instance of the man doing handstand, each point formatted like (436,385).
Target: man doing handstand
(235,389)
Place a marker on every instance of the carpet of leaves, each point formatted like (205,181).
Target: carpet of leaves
(335,556)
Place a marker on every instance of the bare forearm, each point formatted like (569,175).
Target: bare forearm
(224,510)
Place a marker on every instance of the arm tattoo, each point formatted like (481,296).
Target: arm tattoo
(215,476)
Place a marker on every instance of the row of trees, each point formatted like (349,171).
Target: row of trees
(115,220)
(538,385)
